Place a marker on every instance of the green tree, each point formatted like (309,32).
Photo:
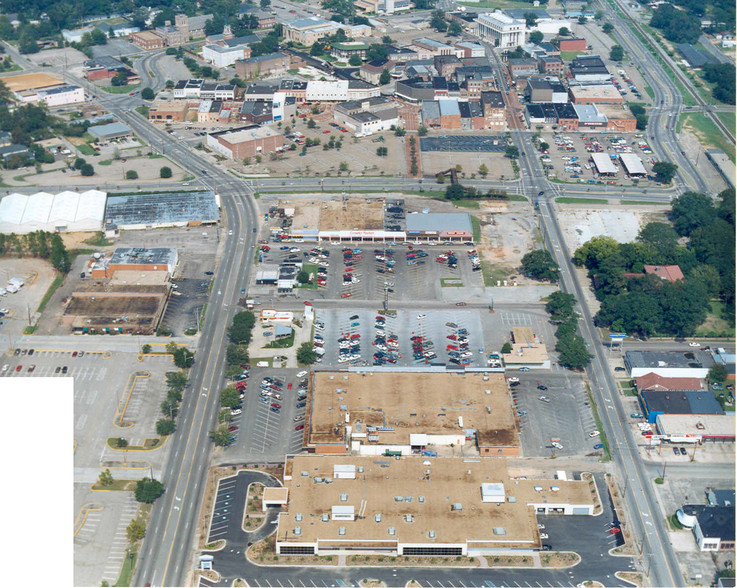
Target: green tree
(183,358)
(119,79)
(718,373)
(306,354)
(438,22)
(691,210)
(512,152)
(131,174)
(343,166)
(385,77)
(176,380)
(265,3)
(582,19)
(454,192)
(530,19)
(165,172)
(382,151)
(560,306)
(303,277)
(507,347)
(236,354)
(146,348)
(599,15)
(165,427)
(148,490)
(220,436)
(58,255)
(483,170)
(87,170)
(148,94)
(709,276)
(540,265)
(572,353)
(665,171)
(440,178)
(105,478)
(136,530)
(311,124)
(536,37)
(399,132)
(240,331)
(616,53)
(377,52)
(454,29)
(544,146)
(563,32)
(607,27)
(422,130)
(355,60)
(229,397)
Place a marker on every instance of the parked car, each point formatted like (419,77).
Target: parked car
(599,446)
(637,415)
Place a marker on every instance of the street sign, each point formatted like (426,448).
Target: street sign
(617,335)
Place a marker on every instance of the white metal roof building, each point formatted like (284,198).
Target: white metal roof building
(632,164)
(603,163)
(65,211)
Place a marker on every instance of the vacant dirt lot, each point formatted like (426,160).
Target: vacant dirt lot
(334,216)
(582,222)
(38,275)
(499,167)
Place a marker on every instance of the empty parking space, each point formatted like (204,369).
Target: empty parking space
(223,509)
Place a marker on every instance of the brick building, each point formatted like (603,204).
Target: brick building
(245,141)
(147,40)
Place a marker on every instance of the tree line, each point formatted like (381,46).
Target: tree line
(643,304)
(40,244)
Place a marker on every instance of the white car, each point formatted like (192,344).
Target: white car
(236,412)
(302,374)
(294,250)
(5,367)
(421,316)
(513,379)
(299,418)
(544,536)
(594,434)
(230,232)
(694,344)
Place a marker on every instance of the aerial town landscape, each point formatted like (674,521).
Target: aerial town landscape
(380,292)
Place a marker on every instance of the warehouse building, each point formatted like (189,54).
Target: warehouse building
(412,506)
(157,259)
(693,428)
(111,131)
(527,351)
(247,141)
(669,364)
(148,210)
(440,226)
(596,94)
(655,403)
(65,211)
(376,411)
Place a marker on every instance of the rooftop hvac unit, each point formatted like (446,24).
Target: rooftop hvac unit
(344,497)
(377,517)
(305,474)
(392,531)
(554,488)
(456,506)
(328,480)
(399,499)
(408,518)
(298,517)
(408,499)
(341,530)
(538,488)
(431,534)
(421,499)
(317,480)
(511,499)
(325,517)
(500,531)
(297,531)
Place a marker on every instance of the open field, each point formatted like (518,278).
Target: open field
(706,132)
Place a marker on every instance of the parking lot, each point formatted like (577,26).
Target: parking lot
(100,539)
(568,157)
(266,426)
(477,143)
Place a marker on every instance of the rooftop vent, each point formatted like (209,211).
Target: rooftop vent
(325,517)
(399,499)
(408,518)
(456,506)
(298,517)
(431,534)
(377,517)
(297,531)
(341,530)
(500,531)
(317,480)
(538,488)
(421,499)
(305,474)
(392,531)
(344,497)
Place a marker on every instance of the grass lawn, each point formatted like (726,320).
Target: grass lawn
(451,283)
(142,110)
(120,89)
(568,56)
(494,272)
(85,149)
(569,200)
(476,224)
(467,204)
(105,162)
(706,132)
(310,268)
(126,572)
(728,118)
(715,325)
(58,281)
(282,343)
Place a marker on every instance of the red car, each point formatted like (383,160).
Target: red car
(18,368)
(276,405)
(356,336)
(299,427)
(452,347)
(325,132)
(289,386)
(232,428)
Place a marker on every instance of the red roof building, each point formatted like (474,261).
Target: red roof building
(672,273)
(652,381)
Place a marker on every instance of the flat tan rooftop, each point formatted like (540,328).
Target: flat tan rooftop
(524,353)
(30,81)
(431,491)
(411,402)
